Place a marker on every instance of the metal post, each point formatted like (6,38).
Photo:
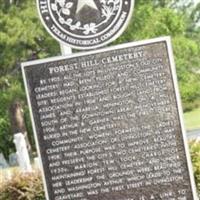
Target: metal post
(65,50)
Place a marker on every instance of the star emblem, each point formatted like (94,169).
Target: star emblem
(82,3)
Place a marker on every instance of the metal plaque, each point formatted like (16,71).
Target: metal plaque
(85,24)
(108,124)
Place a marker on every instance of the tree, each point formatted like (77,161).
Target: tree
(22,38)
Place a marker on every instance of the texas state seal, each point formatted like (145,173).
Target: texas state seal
(85,24)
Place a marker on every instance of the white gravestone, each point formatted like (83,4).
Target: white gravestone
(37,163)
(13,160)
(3,162)
(4,174)
(22,152)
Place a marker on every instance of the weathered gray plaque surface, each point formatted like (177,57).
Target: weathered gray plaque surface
(108,126)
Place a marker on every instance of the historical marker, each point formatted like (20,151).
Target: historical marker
(85,24)
(108,124)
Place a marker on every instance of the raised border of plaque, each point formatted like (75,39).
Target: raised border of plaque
(167,40)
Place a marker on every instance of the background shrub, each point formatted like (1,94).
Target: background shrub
(195,155)
(23,187)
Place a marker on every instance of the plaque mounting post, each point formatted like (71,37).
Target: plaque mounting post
(65,50)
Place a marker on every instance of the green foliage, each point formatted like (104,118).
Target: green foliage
(158,22)
(149,22)
(23,187)
(187,59)
(195,15)
(22,38)
(10,90)
(195,156)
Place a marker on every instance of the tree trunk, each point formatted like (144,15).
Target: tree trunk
(17,121)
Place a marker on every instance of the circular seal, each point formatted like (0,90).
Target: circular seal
(85,24)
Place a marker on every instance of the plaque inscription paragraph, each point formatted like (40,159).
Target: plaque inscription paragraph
(108,124)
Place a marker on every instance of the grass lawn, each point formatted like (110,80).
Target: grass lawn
(192,119)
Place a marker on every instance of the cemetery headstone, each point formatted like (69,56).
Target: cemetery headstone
(13,159)
(22,152)
(85,24)
(108,124)
(3,162)
(37,163)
